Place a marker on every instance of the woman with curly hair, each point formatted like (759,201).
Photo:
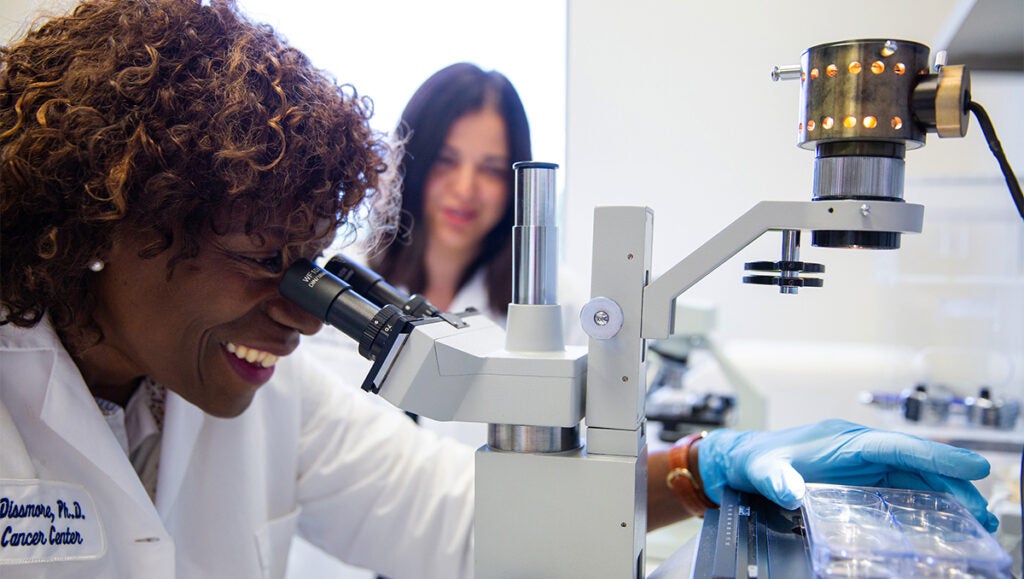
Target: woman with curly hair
(162,162)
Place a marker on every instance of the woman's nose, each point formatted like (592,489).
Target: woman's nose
(290,315)
(464,181)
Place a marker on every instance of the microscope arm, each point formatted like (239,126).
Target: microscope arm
(467,373)
(659,296)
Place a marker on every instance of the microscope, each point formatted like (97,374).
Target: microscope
(551,499)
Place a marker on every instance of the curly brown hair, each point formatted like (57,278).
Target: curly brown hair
(165,115)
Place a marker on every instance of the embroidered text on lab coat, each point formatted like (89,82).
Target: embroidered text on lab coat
(44,521)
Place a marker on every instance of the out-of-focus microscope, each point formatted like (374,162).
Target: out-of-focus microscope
(548,504)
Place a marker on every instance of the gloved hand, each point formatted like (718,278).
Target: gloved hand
(776,464)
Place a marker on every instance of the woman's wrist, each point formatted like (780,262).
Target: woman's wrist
(684,478)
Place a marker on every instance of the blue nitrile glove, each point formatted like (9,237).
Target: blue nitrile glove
(776,464)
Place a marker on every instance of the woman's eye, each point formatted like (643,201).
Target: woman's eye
(445,161)
(273,264)
(496,171)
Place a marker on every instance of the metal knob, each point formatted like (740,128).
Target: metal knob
(790,72)
(601,318)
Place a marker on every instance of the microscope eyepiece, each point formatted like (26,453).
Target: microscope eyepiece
(334,301)
(369,283)
(378,335)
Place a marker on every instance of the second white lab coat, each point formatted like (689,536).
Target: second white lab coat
(570,297)
(312,455)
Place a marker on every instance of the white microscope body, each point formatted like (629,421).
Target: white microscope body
(546,504)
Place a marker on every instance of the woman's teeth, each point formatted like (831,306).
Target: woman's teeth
(252,355)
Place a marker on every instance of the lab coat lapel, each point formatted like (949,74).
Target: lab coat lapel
(69,409)
(15,462)
(182,423)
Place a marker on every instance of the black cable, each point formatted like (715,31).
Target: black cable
(1018,199)
(997,149)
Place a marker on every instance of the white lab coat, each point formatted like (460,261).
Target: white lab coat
(474,295)
(310,455)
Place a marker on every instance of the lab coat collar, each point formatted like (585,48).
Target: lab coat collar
(66,406)
(69,409)
(15,463)
(68,397)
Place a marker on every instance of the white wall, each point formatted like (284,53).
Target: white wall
(386,49)
(17,14)
(670,105)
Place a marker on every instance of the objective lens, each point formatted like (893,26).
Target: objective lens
(862,171)
(334,301)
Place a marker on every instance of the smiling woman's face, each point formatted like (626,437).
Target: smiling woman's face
(211,331)
(467,188)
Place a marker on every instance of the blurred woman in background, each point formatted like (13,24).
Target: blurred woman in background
(463,129)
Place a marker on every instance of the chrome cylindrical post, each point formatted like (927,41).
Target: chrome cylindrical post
(535,235)
(517,438)
(534,282)
(790,252)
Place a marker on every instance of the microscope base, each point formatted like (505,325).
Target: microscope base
(560,515)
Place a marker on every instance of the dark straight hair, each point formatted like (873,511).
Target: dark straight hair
(442,99)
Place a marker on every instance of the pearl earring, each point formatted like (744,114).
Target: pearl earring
(97,265)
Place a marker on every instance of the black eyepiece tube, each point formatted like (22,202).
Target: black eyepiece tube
(316,291)
(334,301)
(365,281)
(370,284)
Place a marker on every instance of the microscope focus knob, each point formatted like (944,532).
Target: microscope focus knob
(784,281)
(601,318)
(795,266)
(787,277)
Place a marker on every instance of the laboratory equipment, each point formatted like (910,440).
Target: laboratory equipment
(843,531)
(991,411)
(967,389)
(548,505)
(527,385)
(920,405)
(673,402)
(876,532)
(370,284)
(681,411)
(938,406)
(747,537)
